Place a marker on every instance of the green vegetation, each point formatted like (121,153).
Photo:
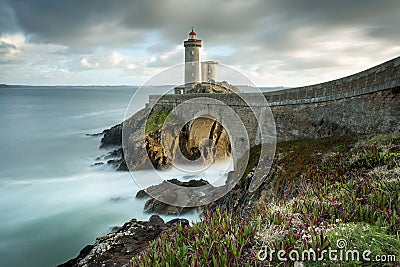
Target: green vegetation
(156,120)
(346,188)
(220,239)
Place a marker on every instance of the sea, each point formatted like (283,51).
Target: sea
(53,200)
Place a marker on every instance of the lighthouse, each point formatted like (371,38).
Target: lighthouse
(192,59)
(200,77)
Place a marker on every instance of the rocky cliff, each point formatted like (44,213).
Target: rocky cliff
(143,130)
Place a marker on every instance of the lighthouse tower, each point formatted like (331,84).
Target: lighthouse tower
(192,59)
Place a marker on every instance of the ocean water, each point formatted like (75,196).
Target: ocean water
(52,201)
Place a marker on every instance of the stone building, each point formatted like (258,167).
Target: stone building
(192,59)
(200,77)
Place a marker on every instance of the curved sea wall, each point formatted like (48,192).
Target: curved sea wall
(364,103)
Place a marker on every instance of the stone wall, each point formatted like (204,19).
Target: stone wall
(378,78)
(377,112)
(366,102)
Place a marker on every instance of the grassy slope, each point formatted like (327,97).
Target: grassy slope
(348,188)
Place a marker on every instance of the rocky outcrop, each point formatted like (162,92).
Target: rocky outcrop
(172,143)
(117,248)
(112,137)
(187,142)
(114,158)
(154,205)
(213,87)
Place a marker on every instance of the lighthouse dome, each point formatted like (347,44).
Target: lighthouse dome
(192,34)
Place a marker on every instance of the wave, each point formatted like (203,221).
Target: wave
(104,173)
(97,113)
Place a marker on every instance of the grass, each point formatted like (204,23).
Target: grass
(220,239)
(346,188)
(156,120)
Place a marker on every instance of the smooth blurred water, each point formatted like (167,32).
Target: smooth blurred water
(52,202)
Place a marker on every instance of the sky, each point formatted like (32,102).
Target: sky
(125,42)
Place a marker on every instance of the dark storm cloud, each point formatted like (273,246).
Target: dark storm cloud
(376,17)
(267,23)
(7,18)
(119,22)
(85,23)
(292,34)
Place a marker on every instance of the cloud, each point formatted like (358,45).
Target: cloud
(85,63)
(310,40)
(116,58)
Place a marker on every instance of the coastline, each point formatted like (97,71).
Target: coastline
(295,161)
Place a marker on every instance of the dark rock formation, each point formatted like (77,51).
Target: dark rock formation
(238,200)
(94,134)
(116,153)
(154,205)
(82,254)
(117,248)
(112,137)
(187,140)
(115,158)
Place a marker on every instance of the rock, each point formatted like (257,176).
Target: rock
(115,158)
(122,166)
(113,161)
(141,194)
(119,246)
(156,220)
(98,163)
(177,221)
(94,134)
(82,254)
(118,164)
(112,137)
(154,205)
(191,183)
(116,153)
(147,150)
(115,229)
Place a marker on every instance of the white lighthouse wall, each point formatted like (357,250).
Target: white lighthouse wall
(209,71)
(192,64)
